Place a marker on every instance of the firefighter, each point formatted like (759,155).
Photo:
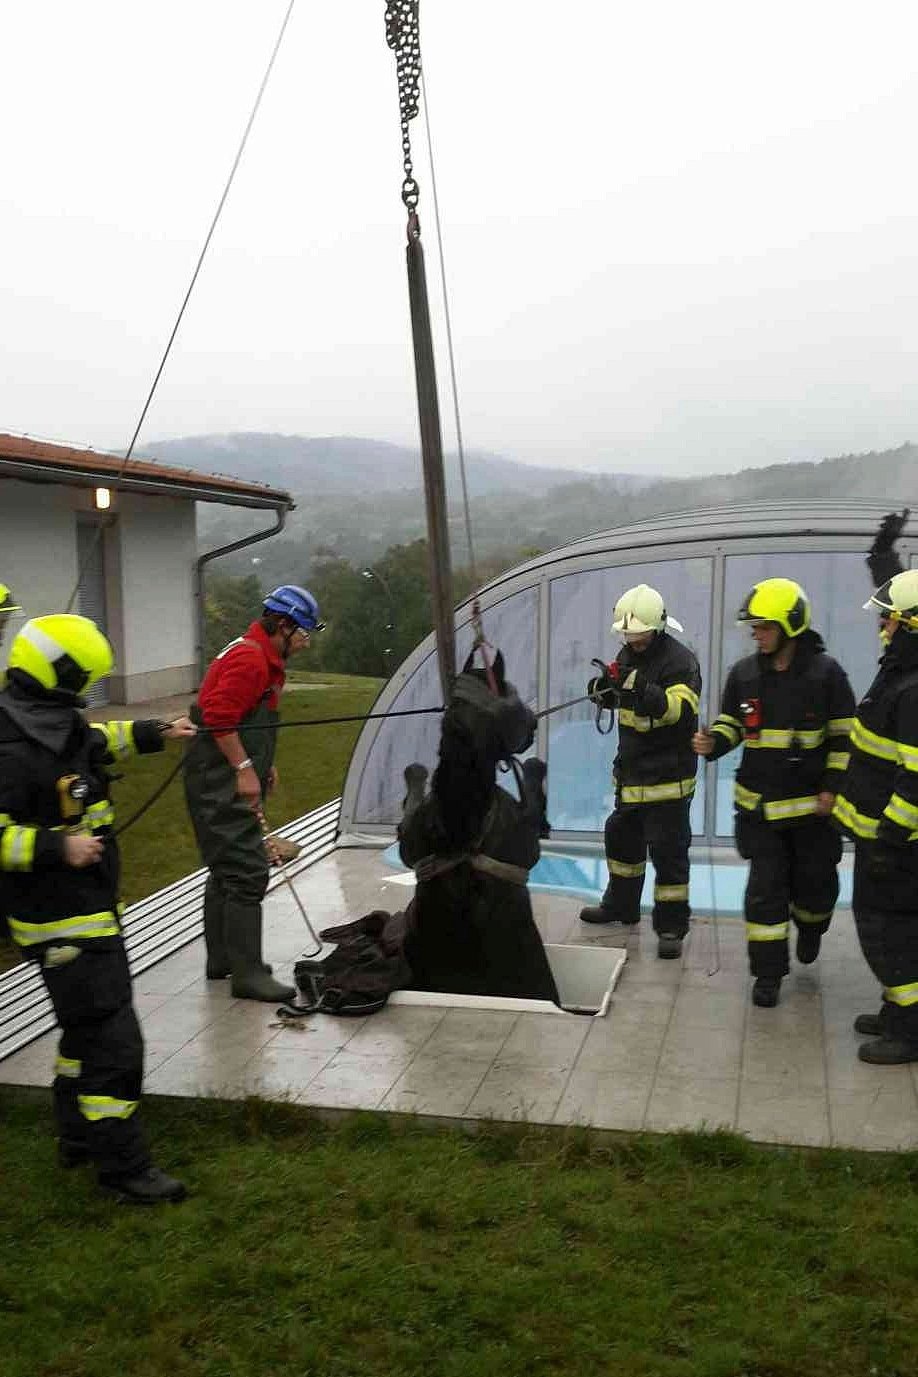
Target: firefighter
(8,605)
(228,771)
(654,683)
(60,866)
(877,806)
(791,706)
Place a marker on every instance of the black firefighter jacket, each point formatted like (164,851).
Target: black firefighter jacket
(877,799)
(794,726)
(53,777)
(656,721)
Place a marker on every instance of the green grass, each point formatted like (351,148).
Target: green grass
(312,762)
(379,1248)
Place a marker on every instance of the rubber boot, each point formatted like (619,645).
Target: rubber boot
(148,1187)
(669,947)
(250,978)
(887,1051)
(871,1025)
(70,1154)
(766,992)
(218,963)
(809,939)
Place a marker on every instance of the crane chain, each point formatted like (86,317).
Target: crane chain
(403,36)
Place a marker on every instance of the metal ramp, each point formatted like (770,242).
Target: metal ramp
(155,927)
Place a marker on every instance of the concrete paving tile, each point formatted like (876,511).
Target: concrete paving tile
(624,1044)
(708,1053)
(317,1033)
(676,1103)
(354,1082)
(845,1072)
(770,1113)
(442,1084)
(176,1022)
(201,1079)
(476,1033)
(530,1093)
(882,1119)
(395,1032)
(34,1065)
(547,1040)
(605,1099)
(794,1062)
(277,1074)
(710,1009)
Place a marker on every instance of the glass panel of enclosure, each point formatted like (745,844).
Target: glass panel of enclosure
(579,759)
(837,585)
(512,627)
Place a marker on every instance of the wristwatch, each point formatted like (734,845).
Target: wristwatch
(243,765)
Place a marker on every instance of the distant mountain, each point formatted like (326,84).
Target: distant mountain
(348,464)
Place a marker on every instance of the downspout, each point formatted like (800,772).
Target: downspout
(215,554)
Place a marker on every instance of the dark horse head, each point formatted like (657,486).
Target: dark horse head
(481,729)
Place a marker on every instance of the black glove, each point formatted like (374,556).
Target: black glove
(882,860)
(603,688)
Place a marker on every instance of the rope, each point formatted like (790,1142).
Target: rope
(90,553)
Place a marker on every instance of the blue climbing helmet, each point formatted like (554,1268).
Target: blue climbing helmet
(296,603)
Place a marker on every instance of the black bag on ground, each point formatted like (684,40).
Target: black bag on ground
(366,965)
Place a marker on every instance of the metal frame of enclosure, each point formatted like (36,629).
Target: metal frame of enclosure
(552,614)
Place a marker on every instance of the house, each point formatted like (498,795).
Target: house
(81,530)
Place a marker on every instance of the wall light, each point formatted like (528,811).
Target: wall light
(103,499)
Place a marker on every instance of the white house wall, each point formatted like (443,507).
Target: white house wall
(157,548)
(150,552)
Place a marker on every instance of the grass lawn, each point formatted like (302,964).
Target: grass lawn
(377,1248)
(312,762)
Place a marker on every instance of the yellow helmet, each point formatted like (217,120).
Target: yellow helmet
(777,600)
(62,652)
(641,609)
(898,599)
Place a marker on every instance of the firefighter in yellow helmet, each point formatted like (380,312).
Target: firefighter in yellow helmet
(790,705)
(8,605)
(653,684)
(877,806)
(59,861)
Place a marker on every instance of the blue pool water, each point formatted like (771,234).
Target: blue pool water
(584,877)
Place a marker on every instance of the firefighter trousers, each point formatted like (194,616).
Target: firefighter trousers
(99,1069)
(663,829)
(886,913)
(793,874)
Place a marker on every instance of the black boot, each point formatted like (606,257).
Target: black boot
(888,1051)
(766,992)
(808,942)
(600,914)
(669,947)
(251,979)
(148,1187)
(871,1025)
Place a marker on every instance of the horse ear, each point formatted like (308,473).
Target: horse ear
(498,667)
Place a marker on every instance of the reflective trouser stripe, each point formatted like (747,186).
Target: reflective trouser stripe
(17,847)
(95,1107)
(69,1067)
(901,811)
(805,915)
(903,995)
(780,808)
(658,793)
(767,932)
(84,925)
(664,894)
(838,760)
(858,823)
(745,798)
(625,871)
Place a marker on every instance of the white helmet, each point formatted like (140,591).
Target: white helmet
(639,610)
(897,599)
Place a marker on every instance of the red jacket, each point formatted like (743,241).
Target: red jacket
(249,671)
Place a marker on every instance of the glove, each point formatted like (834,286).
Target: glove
(882,861)
(604,687)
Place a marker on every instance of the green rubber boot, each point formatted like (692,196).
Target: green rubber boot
(251,979)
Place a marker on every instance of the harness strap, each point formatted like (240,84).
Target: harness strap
(429,867)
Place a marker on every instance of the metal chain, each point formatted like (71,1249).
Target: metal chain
(404,38)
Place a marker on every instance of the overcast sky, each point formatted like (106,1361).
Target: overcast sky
(678,237)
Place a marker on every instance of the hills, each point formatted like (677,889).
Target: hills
(356,498)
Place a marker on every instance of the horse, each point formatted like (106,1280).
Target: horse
(470,928)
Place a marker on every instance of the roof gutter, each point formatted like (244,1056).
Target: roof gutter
(280,522)
(94,478)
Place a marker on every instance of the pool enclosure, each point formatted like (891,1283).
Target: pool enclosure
(551,616)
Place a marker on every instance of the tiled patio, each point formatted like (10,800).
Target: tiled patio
(679,1049)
